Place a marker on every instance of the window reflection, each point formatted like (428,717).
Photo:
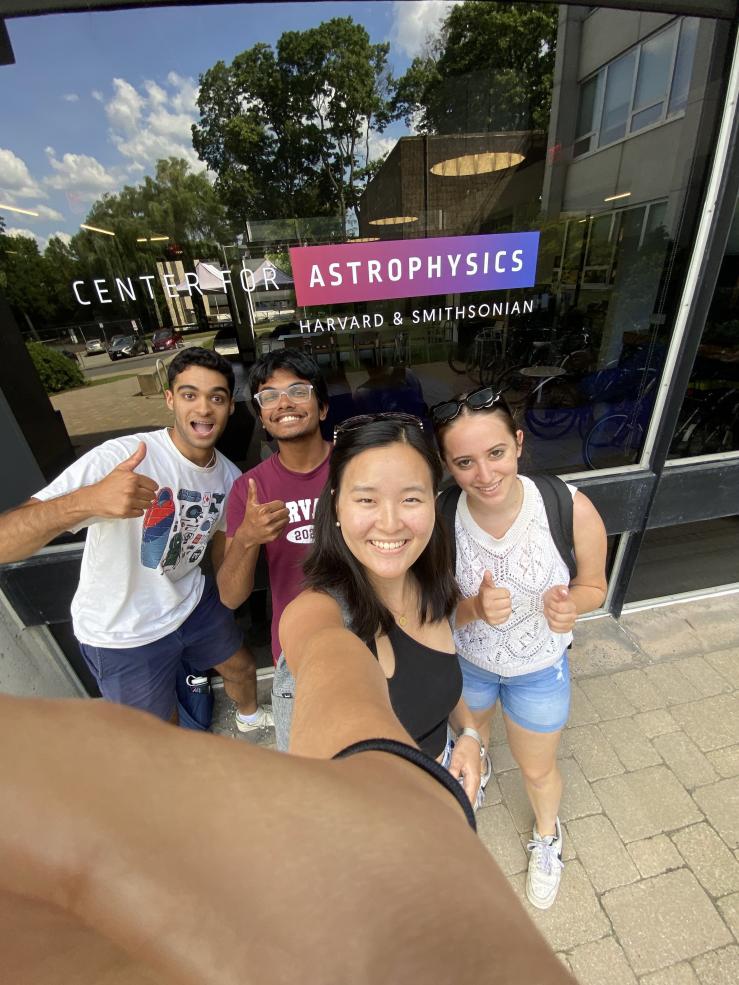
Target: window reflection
(708,423)
(275,144)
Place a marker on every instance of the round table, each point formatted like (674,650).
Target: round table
(542,372)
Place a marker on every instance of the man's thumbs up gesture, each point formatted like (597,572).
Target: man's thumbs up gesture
(560,610)
(493,604)
(263,522)
(123,493)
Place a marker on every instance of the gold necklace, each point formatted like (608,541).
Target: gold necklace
(401,619)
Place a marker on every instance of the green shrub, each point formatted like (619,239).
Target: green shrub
(56,371)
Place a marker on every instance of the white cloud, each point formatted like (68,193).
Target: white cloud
(41,241)
(175,125)
(83,176)
(157,96)
(185,97)
(417,20)
(124,109)
(71,97)
(150,146)
(46,213)
(97,94)
(15,178)
(153,121)
(379,145)
(16,231)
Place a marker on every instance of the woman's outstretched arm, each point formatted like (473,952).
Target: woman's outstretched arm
(135,852)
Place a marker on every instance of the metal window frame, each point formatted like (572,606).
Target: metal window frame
(677,25)
(685,491)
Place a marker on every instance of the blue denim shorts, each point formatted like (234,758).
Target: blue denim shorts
(145,676)
(539,702)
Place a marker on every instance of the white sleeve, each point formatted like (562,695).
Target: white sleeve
(91,467)
(233,474)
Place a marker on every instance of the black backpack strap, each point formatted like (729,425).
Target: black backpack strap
(558,505)
(447,503)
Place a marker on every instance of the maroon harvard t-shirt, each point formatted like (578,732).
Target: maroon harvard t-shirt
(299,491)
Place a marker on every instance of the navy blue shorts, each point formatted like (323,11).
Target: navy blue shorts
(144,676)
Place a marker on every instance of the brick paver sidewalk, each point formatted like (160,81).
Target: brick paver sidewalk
(94,414)
(650,760)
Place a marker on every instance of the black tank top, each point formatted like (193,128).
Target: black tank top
(425,688)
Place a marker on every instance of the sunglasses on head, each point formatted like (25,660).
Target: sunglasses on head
(354,423)
(482,399)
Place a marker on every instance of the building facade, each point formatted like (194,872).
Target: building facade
(410,158)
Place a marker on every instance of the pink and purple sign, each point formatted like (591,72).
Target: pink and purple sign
(413,268)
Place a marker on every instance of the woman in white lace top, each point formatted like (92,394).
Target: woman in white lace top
(519,605)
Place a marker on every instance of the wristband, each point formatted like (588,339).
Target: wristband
(474,734)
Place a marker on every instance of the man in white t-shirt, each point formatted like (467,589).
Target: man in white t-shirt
(152,503)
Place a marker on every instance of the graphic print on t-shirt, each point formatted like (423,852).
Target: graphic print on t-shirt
(158,521)
(301,510)
(176,541)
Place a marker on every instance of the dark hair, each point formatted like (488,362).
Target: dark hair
(200,357)
(502,407)
(331,566)
(302,365)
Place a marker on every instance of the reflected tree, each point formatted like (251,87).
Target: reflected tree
(287,130)
(23,281)
(490,68)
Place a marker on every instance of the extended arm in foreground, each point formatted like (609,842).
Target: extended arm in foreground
(125,849)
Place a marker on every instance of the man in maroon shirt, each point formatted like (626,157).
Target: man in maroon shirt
(274,503)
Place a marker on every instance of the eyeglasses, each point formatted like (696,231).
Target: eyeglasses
(297,393)
(447,410)
(354,423)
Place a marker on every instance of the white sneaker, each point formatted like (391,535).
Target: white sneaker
(263,720)
(545,868)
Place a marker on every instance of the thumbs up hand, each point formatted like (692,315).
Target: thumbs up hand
(560,610)
(493,604)
(263,522)
(123,493)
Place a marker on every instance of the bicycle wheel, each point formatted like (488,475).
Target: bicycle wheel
(550,422)
(613,440)
(473,369)
(506,378)
(456,360)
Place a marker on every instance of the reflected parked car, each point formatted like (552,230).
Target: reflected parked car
(165,339)
(129,345)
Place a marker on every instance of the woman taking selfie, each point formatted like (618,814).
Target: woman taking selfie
(380,576)
(521,597)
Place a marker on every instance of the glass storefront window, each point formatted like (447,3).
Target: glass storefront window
(690,557)
(708,423)
(194,196)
